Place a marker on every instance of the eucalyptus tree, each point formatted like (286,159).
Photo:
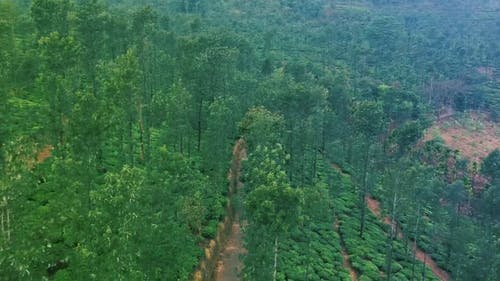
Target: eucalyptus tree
(369,123)
(272,207)
(51,16)
(206,65)
(90,29)
(262,127)
(7,54)
(293,93)
(56,83)
(121,87)
(144,30)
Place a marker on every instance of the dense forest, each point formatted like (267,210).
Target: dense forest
(119,117)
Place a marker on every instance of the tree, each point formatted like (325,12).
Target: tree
(50,219)
(491,165)
(272,207)
(51,16)
(369,123)
(261,127)
(292,92)
(207,65)
(7,42)
(57,81)
(8,49)
(122,89)
(91,19)
(490,198)
(119,222)
(221,131)
(403,138)
(177,104)
(144,27)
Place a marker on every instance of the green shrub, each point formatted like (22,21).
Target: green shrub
(62,275)
(395,267)
(326,274)
(365,278)
(210,230)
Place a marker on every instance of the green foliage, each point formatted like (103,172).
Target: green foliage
(271,201)
(491,165)
(141,101)
(369,118)
(272,206)
(368,255)
(50,16)
(407,135)
(312,251)
(261,127)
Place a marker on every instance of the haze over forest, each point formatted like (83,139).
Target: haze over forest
(250,140)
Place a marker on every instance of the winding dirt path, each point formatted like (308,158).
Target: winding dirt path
(374,206)
(346,263)
(229,265)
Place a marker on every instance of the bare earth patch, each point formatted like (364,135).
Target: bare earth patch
(475,136)
(45,153)
(229,264)
(430,263)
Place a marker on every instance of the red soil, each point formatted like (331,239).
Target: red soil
(431,264)
(347,264)
(229,265)
(473,143)
(45,153)
(40,156)
(374,206)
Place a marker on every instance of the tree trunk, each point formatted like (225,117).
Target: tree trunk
(431,90)
(275,268)
(141,131)
(314,166)
(131,142)
(363,215)
(415,245)
(8,224)
(392,236)
(3,225)
(306,278)
(181,145)
(423,268)
(364,191)
(200,108)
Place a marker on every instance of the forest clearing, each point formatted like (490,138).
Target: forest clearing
(474,135)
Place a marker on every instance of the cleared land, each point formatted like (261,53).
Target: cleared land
(473,134)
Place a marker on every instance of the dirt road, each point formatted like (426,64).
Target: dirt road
(229,265)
